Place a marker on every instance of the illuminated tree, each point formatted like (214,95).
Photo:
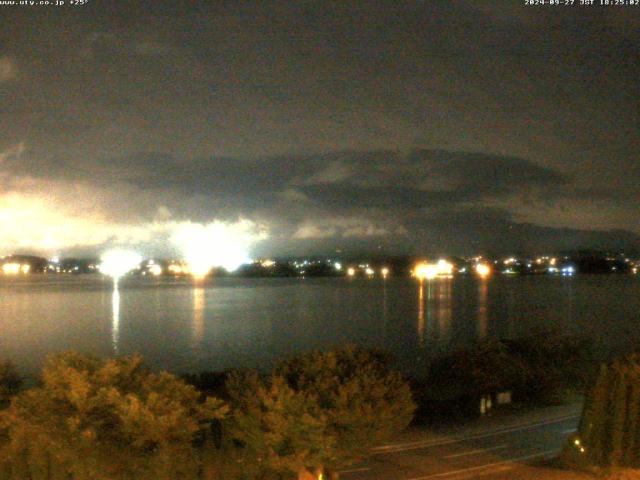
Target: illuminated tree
(283,428)
(94,419)
(320,410)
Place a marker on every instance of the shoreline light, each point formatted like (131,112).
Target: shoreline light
(483,270)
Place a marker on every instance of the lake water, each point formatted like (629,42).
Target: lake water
(234,322)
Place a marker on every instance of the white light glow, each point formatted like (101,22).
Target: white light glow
(117,263)
(217,244)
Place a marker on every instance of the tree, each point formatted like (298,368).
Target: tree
(95,419)
(609,432)
(320,410)
(458,380)
(551,364)
(282,427)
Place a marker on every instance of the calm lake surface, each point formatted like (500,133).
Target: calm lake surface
(230,322)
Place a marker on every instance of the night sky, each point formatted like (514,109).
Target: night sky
(305,127)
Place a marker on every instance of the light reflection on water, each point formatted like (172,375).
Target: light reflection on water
(115,319)
(197,330)
(483,318)
(385,307)
(443,310)
(434,311)
(228,323)
(421,307)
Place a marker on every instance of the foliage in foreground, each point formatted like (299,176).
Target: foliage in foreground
(538,368)
(10,382)
(622,474)
(104,419)
(319,410)
(609,432)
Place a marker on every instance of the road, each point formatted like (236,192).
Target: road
(490,449)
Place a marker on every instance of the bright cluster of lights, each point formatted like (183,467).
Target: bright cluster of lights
(152,268)
(425,271)
(15,268)
(117,263)
(428,271)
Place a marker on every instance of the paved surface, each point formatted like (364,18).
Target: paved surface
(499,447)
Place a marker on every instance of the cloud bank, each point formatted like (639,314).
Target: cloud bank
(420,200)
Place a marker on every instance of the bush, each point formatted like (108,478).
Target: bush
(319,410)
(539,368)
(551,364)
(10,382)
(94,419)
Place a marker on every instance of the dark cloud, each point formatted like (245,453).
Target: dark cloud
(429,178)
(472,174)
(374,179)
(495,231)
